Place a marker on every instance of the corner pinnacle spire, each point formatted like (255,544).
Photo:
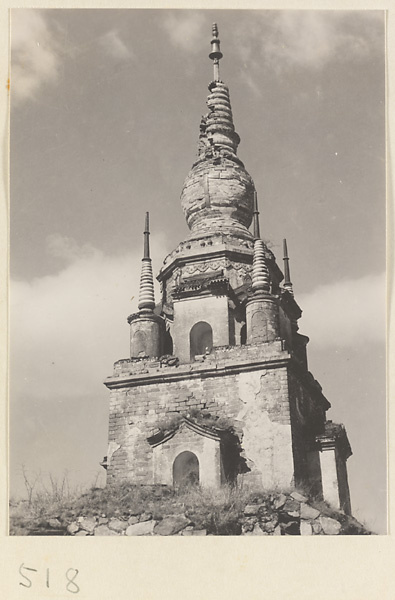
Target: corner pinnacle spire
(255,222)
(215,53)
(146,296)
(146,236)
(287,278)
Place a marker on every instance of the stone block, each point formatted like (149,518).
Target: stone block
(117,525)
(280,501)
(299,497)
(133,520)
(72,528)
(330,526)
(87,524)
(54,523)
(104,530)
(187,531)
(144,528)
(171,525)
(308,512)
(306,528)
(317,529)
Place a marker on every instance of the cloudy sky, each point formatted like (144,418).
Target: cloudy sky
(105,112)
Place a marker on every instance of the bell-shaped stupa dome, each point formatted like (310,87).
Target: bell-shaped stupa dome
(218,193)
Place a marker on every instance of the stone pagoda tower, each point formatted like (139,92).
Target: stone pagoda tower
(217,387)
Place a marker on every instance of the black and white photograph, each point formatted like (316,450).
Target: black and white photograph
(197,281)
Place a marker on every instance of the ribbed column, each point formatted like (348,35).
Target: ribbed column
(219,121)
(146,295)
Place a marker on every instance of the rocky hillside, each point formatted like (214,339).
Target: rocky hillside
(131,511)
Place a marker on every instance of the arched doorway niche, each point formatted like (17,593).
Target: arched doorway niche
(200,339)
(185,470)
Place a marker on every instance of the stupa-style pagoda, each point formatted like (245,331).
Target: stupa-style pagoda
(217,387)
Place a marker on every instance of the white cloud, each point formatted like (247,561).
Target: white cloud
(346,313)
(67,249)
(185,30)
(310,39)
(306,38)
(250,82)
(68,329)
(114,46)
(34,53)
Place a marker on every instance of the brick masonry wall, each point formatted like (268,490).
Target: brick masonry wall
(256,401)
(276,411)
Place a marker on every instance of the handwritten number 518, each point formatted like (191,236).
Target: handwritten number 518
(71,575)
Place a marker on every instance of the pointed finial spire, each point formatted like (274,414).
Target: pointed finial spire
(215,53)
(146,296)
(287,278)
(146,236)
(255,222)
(260,272)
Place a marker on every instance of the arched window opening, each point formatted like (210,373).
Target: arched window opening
(186,470)
(200,339)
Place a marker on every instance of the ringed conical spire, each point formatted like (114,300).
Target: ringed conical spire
(146,295)
(260,272)
(262,313)
(217,125)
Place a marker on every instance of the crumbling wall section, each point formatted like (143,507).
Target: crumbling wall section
(308,418)
(265,418)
